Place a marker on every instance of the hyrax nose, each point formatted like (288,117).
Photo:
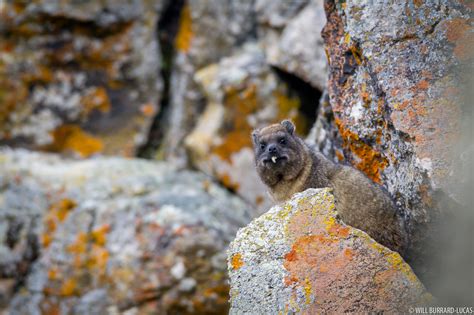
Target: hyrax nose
(272,148)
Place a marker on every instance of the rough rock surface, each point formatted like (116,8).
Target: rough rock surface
(110,235)
(78,77)
(393,99)
(208,31)
(298,47)
(242,94)
(300,258)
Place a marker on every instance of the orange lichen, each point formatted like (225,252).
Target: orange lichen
(458,32)
(69,287)
(239,104)
(456,28)
(57,213)
(288,109)
(185,34)
(348,253)
(96,99)
(291,255)
(236,261)
(72,138)
(99,235)
(39,74)
(370,161)
(53,274)
(339,155)
(80,245)
(338,231)
(227,182)
(89,257)
(148,109)
(422,85)
(259,200)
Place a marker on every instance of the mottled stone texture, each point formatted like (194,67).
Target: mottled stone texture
(292,38)
(393,95)
(110,235)
(79,77)
(242,94)
(300,258)
(208,31)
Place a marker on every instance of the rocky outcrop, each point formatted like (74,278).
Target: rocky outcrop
(394,102)
(78,77)
(110,235)
(242,94)
(300,258)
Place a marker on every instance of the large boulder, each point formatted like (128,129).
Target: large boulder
(393,107)
(80,77)
(242,94)
(299,257)
(111,235)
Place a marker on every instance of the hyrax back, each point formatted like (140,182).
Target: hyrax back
(287,165)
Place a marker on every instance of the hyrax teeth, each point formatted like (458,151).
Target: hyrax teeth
(274,159)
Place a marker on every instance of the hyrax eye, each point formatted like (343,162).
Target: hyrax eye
(262,145)
(282,141)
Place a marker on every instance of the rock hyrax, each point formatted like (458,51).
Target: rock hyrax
(287,165)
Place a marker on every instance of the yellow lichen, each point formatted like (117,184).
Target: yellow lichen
(239,104)
(95,99)
(73,138)
(69,287)
(185,34)
(236,261)
(396,261)
(99,235)
(57,214)
(307,290)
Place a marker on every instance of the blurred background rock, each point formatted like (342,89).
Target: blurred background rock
(378,86)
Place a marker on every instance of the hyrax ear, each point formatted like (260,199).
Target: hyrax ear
(255,135)
(288,126)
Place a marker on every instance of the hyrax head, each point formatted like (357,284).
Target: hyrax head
(277,147)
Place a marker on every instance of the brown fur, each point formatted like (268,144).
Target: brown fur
(360,202)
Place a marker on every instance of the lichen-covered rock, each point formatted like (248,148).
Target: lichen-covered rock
(80,77)
(208,31)
(300,258)
(394,96)
(298,48)
(242,94)
(110,235)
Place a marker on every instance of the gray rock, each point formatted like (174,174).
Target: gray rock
(114,234)
(79,77)
(393,94)
(300,48)
(242,93)
(208,31)
(299,258)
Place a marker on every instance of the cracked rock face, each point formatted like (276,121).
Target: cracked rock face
(394,102)
(78,77)
(300,258)
(111,235)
